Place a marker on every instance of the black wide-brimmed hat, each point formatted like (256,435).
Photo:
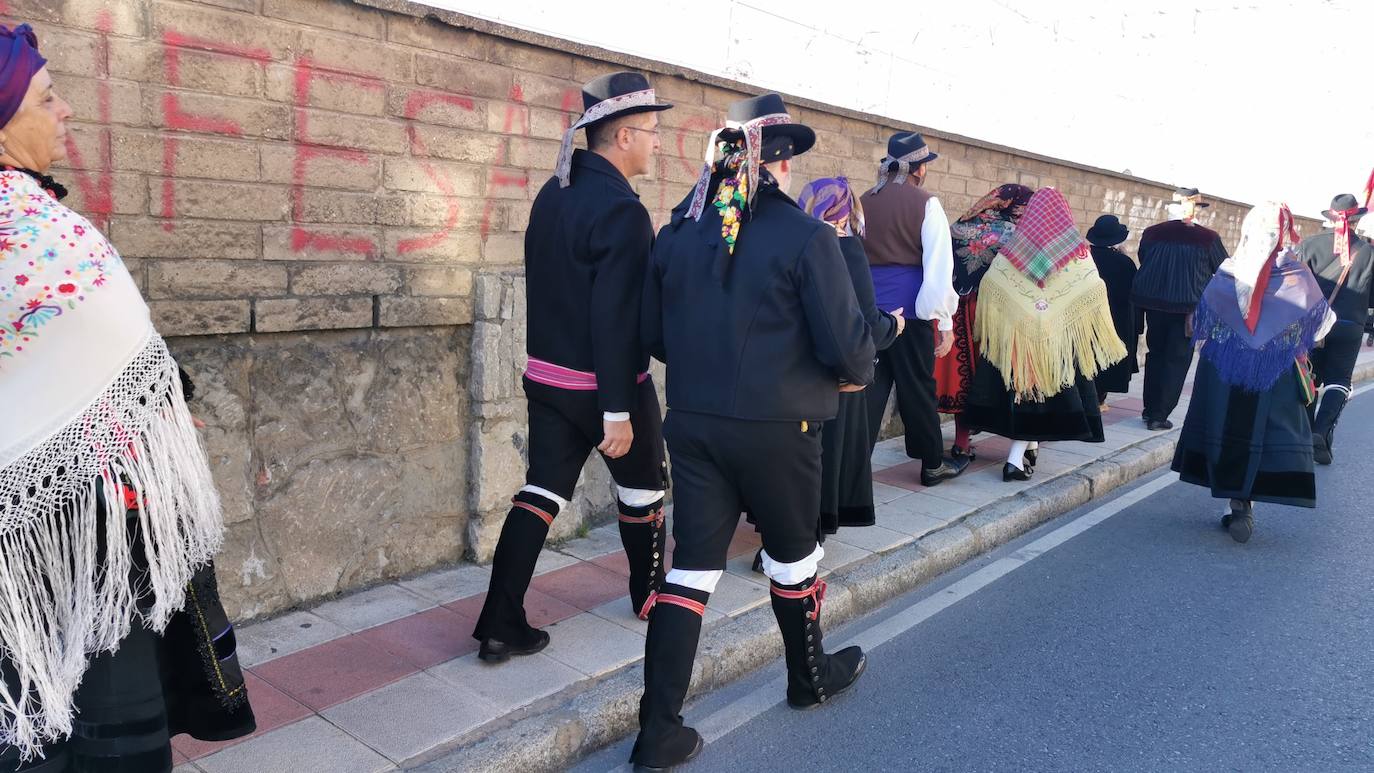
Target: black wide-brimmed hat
(604,97)
(1348,204)
(1107,231)
(905,151)
(782,138)
(1190,194)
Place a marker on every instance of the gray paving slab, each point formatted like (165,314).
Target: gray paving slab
(618,611)
(510,685)
(889,453)
(966,492)
(593,645)
(735,594)
(838,554)
(550,560)
(187,767)
(311,745)
(372,607)
(292,632)
(884,493)
(597,543)
(925,504)
(914,524)
(874,539)
(447,585)
(412,716)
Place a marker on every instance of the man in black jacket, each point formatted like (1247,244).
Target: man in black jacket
(1344,266)
(748,301)
(587,383)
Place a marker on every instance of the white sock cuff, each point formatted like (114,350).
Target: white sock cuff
(549,495)
(795,572)
(704,581)
(637,497)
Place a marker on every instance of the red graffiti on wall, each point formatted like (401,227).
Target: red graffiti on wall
(415,103)
(97,190)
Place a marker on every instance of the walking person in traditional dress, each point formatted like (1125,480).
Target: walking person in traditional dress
(912,260)
(1247,436)
(1118,273)
(112,635)
(748,302)
(1044,331)
(587,380)
(977,237)
(1177,259)
(1344,267)
(846,445)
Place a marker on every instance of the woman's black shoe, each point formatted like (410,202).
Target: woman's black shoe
(758,561)
(1011,472)
(1031,456)
(963,454)
(497,651)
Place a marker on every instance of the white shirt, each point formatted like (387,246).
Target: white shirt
(937,299)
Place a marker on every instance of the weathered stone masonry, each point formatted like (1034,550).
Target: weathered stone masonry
(324,203)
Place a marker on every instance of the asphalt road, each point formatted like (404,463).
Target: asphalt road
(1149,641)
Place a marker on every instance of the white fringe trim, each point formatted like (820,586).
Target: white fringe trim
(58,604)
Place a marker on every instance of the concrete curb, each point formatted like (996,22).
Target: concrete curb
(553,734)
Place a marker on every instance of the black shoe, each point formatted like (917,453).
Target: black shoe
(1240,522)
(949,468)
(963,454)
(758,561)
(813,676)
(1011,472)
(1321,450)
(684,747)
(1159,424)
(1031,456)
(497,651)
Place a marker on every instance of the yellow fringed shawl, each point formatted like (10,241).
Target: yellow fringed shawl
(1041,338)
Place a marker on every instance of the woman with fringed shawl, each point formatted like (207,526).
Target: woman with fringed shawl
(846,442)
(1247,435)
(977,238)
(112,635)
(1044,329)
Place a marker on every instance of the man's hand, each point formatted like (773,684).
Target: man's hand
(900,318)
(944,341)
(616,437)
(847,387)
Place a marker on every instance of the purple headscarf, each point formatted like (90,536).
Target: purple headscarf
(19,62)
(832,200)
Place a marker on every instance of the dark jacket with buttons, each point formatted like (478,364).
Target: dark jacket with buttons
(1353,302)
(766,334)
(586,249)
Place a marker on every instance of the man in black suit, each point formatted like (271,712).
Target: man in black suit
(749,303)
(587,381)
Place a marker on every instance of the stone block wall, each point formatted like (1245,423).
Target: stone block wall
(324,203)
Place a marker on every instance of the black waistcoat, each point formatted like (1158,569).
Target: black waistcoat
(1353,302)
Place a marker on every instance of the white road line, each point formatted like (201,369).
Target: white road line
(735,714)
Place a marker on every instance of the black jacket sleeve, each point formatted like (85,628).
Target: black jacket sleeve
(620,242)
(881,324)
(651,309)
(840,336)
(1216,254)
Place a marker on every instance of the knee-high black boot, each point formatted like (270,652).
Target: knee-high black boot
(813,677)
(669,650)
(502,628)
(642,534)
(1326,413)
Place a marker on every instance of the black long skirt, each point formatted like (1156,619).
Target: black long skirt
(1072,414)
(1248,445)
(847,466)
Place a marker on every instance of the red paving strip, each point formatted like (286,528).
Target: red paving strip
(333,672)
(746,540)
(272,708)
(425,639)
(541,609)
(583,585)
(617,562)
(906,475)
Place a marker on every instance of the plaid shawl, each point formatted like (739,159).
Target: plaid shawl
(1046,239)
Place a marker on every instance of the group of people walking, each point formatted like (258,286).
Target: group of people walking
(784,325)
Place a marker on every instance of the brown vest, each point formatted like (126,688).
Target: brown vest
(892,219)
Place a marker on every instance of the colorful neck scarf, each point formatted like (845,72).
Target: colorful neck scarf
(979,235)
(896,170)
(92,408)
(741,157)
(19,62)
(830,199)
(1046,239)
(1263,309)
(1044,329)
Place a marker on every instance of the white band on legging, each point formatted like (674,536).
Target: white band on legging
(549,495)
(795,572)
(694,579)
(637,497)
(1016,455)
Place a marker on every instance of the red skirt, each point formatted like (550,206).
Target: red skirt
(954,371)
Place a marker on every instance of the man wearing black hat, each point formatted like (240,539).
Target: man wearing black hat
(912,259)
(1344,266)
(1118,273)
(748,301)
(587,384)
(1177,260)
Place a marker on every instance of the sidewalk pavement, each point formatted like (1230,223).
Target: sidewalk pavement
(388,678)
